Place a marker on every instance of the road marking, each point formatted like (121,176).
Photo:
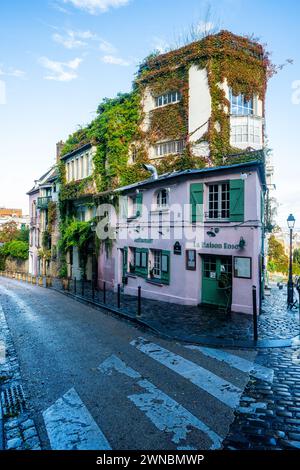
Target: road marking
(70,425)
(169,416)
(2,352)
(165,413)
(114,363)
(244,365)
(219,388)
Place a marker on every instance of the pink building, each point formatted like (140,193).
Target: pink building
(192,237)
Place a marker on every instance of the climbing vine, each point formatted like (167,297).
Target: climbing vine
(242,62)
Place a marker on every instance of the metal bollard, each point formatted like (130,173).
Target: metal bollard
(93,290)
(82,287)
(104,292)
(75,286)
(254,301)
(139,312)
(119,296)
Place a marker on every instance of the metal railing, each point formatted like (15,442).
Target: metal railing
(42,202)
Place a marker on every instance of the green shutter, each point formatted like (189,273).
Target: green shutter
(165,267)
(125,260)
(142,270)
(237,200)
(139,204)
(196,202)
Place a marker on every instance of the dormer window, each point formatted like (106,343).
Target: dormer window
(240,106)
(162,199)
(167,98)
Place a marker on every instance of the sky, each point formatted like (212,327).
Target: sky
(60,58)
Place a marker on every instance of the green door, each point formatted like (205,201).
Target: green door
(217,280)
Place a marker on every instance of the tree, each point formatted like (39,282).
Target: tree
(16,249)
(278,260)
(8,232)
(296,256)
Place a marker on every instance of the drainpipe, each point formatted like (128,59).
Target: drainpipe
(152,170)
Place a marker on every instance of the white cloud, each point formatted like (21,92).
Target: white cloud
(11,72)
(97,6)
(113,60)
(73,39)
(61,71)
(204,27)
(107,47)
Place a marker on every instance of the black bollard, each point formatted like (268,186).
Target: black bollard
(139,312)
(254,300)
(119,295)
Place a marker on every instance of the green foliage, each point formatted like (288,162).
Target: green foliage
(63,272)
(52,214)
(113,131)
(46,240)
(77,234)
(296,256)
(75,141)
(23,235)
(2,260)
(278,260)
(16,249)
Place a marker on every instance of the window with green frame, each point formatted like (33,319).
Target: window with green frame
(160,271)
(141,256)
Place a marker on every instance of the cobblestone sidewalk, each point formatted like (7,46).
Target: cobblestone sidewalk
(17,429)
(193,323)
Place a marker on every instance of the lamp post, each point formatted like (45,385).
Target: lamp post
(290,287)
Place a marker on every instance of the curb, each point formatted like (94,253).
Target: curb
(200,340)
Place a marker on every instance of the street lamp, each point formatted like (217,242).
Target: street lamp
(290,287)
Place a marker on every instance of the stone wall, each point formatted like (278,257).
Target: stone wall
(16,265)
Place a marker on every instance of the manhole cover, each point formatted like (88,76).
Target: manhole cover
(13,401)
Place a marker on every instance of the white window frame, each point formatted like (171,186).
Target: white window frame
(172,97)
(170,147)
(219,209)
(239,106)
(162,198)
(157,263)
(132,206)
(246,133)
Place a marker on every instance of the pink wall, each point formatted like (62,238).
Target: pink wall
(186,286)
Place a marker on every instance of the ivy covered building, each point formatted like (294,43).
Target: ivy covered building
(200,106)
(44,224)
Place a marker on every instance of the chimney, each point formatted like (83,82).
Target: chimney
(59,147)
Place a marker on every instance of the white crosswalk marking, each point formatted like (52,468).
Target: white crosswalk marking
(165,413)
(219,388)
(258,371)
(70,425)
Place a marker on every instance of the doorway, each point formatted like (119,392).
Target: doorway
(217,281)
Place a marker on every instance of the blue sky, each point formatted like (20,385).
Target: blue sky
(59,58)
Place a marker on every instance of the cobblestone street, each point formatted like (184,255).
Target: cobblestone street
(42,334)
(269,414)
